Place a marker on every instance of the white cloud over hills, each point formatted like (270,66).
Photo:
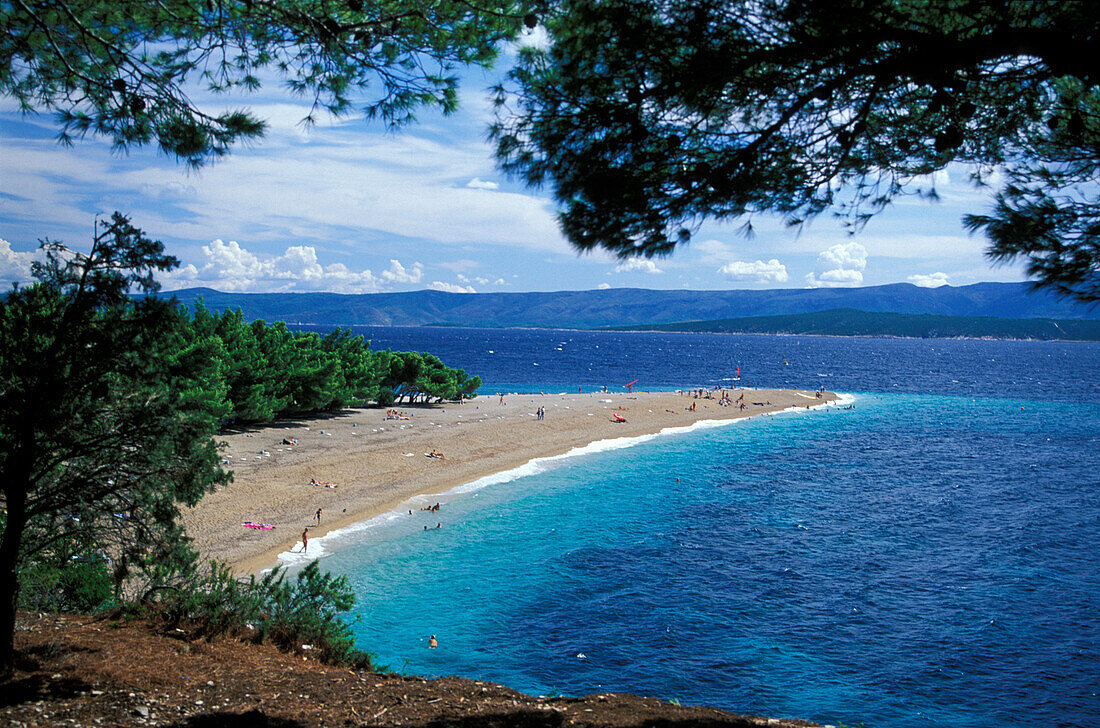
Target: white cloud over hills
(840,265)
(450,287)
(932,280)
(230,267)
(637,265)
(758,272)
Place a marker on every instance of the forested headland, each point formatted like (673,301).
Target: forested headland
(266,371)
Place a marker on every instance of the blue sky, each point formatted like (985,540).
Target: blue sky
(349,206)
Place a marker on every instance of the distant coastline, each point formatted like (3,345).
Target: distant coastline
(985,310)
(852,322)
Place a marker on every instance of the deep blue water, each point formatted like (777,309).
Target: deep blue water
(927,558)
(532,360)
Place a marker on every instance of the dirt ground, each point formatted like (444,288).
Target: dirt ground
(83,671)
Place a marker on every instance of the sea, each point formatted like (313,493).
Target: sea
(925,554)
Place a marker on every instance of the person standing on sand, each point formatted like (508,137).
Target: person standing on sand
(318,516)
(305,540)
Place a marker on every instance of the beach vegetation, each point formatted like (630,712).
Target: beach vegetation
(70,578)
(109,405)
(300,615)
(266,371)
(106,423)
(647,117)
(131,72)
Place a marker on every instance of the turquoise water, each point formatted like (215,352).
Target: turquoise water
(919,560)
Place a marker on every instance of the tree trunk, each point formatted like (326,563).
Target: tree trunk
(16,497)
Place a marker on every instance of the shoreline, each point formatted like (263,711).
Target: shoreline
(378,465)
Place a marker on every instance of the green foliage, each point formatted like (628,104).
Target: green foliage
(289,614)
(267,371)
(71,580)
(108,407)
(123,70)
(386,397)
(106,423)
(646,117)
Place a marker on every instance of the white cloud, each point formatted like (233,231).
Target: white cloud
(603,286)
(450,287)
(480,280)
(759,272)
(397,273)
(840,265)
(637,265)
(231,267)
(932,280)
(479,184)
(15,266)
(350,183)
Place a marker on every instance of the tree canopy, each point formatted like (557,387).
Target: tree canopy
(128,71)
(105,422)
(266,371)
(646,117)
(109,404)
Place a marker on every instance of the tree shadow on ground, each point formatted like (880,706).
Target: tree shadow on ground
(308,418)
(553,719)
(251,719)
(37,687)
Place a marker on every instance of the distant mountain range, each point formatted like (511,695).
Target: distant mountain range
(850,322)
(635,307)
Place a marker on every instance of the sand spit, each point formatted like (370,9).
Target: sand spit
(368,463)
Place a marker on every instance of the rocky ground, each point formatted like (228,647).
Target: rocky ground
(84,671)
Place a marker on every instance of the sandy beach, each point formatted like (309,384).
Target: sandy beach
(369,464)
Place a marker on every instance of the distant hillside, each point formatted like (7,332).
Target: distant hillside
(850,322)
(619,307)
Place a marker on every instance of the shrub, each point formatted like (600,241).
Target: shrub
(67,582)
(272,609)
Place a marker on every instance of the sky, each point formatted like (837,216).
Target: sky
(350,206)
